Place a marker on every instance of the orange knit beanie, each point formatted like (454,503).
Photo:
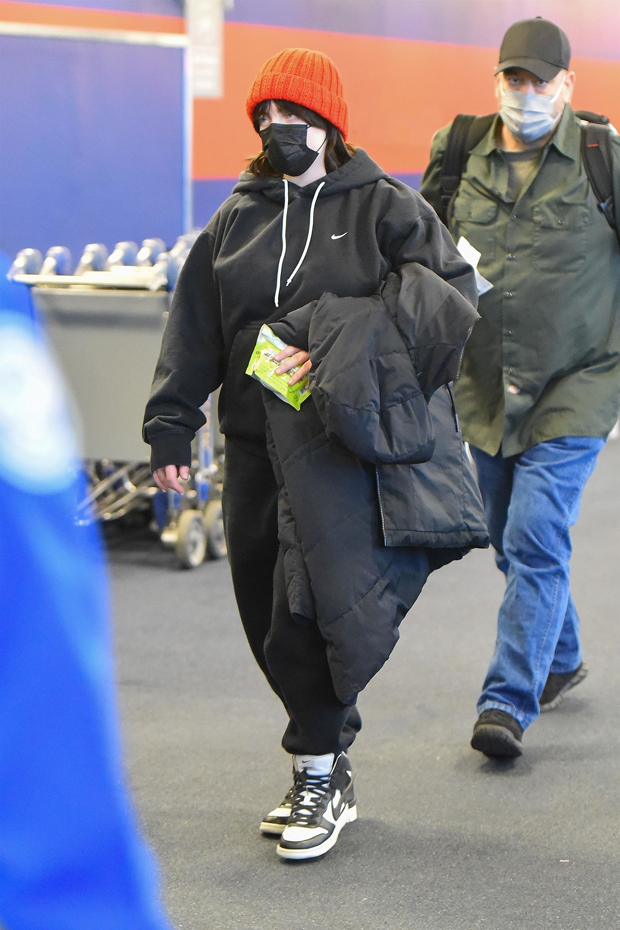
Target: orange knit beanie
(304,77)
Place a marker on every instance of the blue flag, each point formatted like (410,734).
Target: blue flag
(71,857)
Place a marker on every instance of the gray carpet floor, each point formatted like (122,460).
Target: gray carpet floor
(446,839)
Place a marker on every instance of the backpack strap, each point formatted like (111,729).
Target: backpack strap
(589,117)
(596,154)
(465,134)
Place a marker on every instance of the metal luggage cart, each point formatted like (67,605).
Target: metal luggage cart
(191,524)
(106,339)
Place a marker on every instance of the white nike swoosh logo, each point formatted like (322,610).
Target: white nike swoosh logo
(340,236)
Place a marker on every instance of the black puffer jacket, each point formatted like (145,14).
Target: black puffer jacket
(372,468)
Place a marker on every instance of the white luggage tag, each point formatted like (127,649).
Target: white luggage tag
(472,255)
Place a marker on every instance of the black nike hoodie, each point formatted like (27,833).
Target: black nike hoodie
(273,247)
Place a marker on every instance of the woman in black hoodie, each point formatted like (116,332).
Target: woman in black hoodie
(311,215)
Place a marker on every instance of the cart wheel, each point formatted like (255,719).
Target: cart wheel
(214,525)
(191,543)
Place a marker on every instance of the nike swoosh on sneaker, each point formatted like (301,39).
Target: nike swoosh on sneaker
(338,804)
(340,236)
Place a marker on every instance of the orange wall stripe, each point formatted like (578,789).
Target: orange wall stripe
(42,14)
(399,93)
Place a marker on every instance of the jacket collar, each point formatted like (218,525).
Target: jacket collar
(565,139)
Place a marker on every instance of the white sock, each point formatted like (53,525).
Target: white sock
(314,765)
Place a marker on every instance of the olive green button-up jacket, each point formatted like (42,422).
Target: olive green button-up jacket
(544,359)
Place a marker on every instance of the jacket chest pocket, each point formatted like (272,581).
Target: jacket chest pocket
(474,218)
(560,236)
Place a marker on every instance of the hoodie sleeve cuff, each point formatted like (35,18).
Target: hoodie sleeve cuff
(289,334)
(294,328)
(172,447)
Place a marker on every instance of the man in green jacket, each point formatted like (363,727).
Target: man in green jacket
(539,388)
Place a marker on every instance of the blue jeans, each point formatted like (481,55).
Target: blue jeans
(531,500)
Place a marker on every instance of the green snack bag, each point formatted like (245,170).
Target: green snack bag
(262,366)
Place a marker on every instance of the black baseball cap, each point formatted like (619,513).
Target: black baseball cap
(538,46)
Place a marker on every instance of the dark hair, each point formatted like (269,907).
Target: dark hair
(337,152)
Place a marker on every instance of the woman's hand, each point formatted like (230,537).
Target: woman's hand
(167,478)
(290,357)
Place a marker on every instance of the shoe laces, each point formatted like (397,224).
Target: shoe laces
(290,795)
(308,792)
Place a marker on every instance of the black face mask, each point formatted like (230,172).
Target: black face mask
(286,148)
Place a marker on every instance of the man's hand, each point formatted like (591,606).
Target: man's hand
(167,478)
(290,357)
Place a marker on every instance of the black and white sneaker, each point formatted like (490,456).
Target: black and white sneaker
(322,804)
(276,820)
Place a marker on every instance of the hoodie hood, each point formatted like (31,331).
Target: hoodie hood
(357,172)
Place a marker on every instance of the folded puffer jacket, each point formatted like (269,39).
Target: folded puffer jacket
(372,470)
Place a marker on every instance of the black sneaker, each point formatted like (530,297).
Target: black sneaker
(276,820)
(497,734)
(322,805)
(558,683)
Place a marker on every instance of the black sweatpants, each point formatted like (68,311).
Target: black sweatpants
(292,655)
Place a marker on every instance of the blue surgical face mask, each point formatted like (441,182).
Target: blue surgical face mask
(529,116)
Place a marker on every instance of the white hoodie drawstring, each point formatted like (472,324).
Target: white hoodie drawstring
(276,298)
(308,239)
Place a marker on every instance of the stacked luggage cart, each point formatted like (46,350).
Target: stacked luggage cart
(105,322)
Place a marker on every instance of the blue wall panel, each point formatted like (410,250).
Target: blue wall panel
(208,196)
(413,180)
(91,143)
